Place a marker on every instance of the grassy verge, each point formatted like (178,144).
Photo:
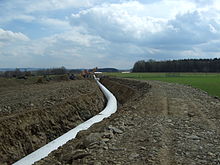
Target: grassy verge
(209,82)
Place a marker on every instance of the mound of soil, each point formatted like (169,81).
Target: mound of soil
(167,124)
(33,115)
(73,152)
(124,90)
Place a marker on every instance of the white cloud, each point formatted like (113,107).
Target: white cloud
(55,23)
(42,5)
(169,8)
(212,29)
(118,22)
(71,49)
(123,24)
(22,17)
(9,36)
(106,34)
(12,47)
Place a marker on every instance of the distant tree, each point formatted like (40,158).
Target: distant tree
(139,66)
(53,71)
(7,74)
(17,73)
(185,65)
(59,71)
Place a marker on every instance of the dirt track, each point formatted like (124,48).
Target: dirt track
(166,124)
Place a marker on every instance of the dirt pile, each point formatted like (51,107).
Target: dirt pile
(126,91)
(34,115)
(167,124)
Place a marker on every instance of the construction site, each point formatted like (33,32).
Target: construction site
(110,82)
(155,122)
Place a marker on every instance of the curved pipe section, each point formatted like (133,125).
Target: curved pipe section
(44,151)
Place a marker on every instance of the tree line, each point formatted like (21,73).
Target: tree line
(17,73)
(185,65)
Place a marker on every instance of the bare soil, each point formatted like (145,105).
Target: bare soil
(35,114)
(156,123)
(160,124)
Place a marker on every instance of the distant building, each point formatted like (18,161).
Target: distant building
(98,72)
(126,72)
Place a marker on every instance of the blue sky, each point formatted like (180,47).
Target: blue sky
(113,33)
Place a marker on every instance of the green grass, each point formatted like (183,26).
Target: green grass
(209,82)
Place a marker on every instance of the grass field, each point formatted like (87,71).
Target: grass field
(209,82)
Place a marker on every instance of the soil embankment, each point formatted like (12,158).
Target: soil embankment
(165,124)
(33,115)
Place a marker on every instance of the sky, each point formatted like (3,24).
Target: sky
(111,33)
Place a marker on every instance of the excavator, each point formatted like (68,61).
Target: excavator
(88,74)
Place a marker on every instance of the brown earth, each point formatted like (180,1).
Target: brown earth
(35,114)
(167,124)
(156,123)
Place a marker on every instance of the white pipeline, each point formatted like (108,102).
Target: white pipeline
(42,152)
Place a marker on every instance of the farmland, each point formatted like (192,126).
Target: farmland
(209,82)
(155,122)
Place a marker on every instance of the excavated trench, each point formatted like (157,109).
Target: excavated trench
(125,90)
(166,124)
(24,132)
(74,151)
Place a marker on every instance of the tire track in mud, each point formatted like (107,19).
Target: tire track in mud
(161,102)
(165,153)
(186,104)
(197,109)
